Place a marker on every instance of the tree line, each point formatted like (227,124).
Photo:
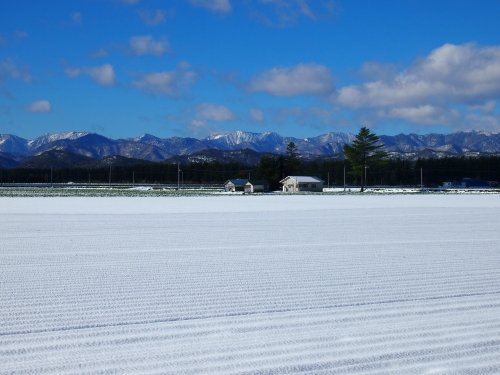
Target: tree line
(366,163)
(272,169)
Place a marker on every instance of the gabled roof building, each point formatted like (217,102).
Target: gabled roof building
(256,186)
(237,184)
(294,184)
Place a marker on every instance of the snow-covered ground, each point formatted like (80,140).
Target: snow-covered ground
(401,284)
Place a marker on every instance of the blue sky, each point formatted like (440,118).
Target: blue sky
(301,68)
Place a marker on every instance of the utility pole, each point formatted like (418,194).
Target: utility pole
(328,184)
(109,182)
(51,184)
(133,177)
(178,176)
(421,178)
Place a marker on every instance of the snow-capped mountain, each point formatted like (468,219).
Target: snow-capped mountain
(151,148)
(14,145)
(263,142)
(174,145)
(54,137)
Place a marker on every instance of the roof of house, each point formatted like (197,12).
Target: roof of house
(237,181)
(303,179)
(257,182)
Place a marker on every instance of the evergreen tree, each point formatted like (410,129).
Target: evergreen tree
(292,159)
(270,169)
(365,151)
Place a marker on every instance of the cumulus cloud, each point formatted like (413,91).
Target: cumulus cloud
(9,69)
(103,75)
(302,79)
(146,45)
(257,115)
(482,121)
(100,52)
(215,112)
(207,113)
(40,106)
(173,83)
(441,88)
(422,114)
(488,106)
(451,73)
(219,6)
(284,13)
(153,17)
(378,71)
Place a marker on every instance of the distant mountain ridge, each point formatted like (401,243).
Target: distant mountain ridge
(14,149)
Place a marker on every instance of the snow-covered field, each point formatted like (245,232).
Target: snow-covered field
(402,284)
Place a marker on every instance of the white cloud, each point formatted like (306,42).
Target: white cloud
(455,85)
(130,2)
(463,74)
(153,17)
(489,122)
(283,13)
(9,69)
(257,115)
(207,113)
(171,83)
(220,6)
(197,126)
(487,106)
(302,79)
(306,9)
(103,75)
(424,114)
(40,106)
(146,45)
(100,52)
(378,71)
(214,112)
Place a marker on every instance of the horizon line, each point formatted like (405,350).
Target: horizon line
(489,133)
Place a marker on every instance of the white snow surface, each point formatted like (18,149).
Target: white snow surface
(400,284)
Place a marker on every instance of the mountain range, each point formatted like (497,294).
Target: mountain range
(84,149)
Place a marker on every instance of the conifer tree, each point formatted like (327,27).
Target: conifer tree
(365,151)
(292,159)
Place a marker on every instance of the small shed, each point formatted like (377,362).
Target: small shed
(237,184)
(256,186)
(293,184)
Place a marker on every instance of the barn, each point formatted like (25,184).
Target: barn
(237,184)
(256,186)
(294,184)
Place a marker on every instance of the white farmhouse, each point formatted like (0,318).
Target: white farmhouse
(236,184)
(256,186)
(293,184)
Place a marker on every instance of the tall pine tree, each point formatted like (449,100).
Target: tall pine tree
(365,151)
(292,159)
